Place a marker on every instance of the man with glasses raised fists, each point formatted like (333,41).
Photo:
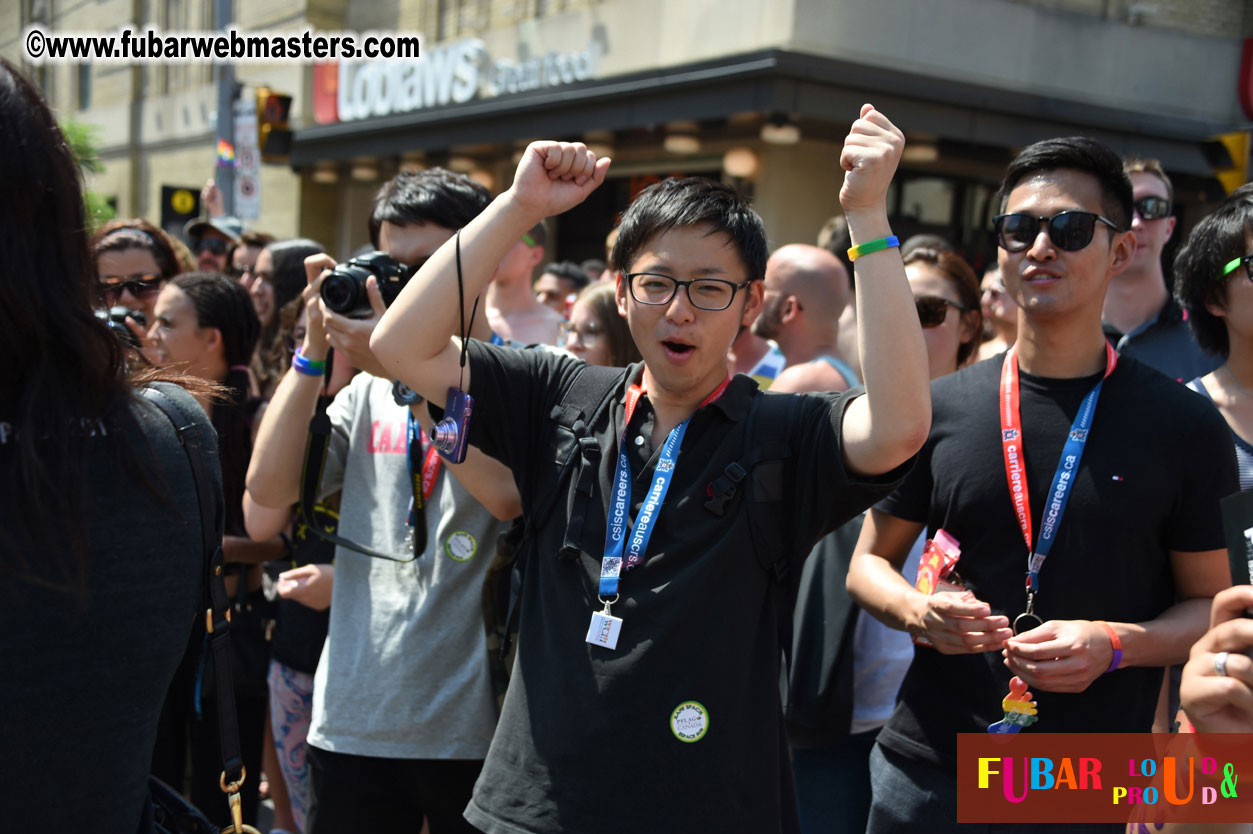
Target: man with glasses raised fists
(653,704)
(1140,317)
(1089,475)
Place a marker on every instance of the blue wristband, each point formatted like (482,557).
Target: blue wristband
(308,367)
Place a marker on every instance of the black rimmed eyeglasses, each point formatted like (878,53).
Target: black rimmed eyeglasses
(704,293)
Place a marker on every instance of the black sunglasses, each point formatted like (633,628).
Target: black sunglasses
(932,309)
(1070,231)
(1152,207)
(214,244)
(139,285)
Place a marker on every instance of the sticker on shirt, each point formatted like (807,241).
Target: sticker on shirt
(689,722)
(460,546)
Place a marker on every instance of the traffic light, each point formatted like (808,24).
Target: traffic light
(1236,174)
(273,135)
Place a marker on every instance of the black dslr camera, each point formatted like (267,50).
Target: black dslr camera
(115,319)
(344,289)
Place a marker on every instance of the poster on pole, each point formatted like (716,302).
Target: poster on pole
(247,162)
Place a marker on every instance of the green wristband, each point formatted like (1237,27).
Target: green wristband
(889,242)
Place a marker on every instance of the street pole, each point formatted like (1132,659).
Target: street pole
(227,92)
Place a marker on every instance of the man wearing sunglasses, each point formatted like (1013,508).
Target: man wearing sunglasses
(211,241)
(1140,317)
(1083,489)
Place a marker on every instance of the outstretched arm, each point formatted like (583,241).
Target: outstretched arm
(552,177)
(888,425)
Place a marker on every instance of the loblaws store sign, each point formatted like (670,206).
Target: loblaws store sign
(452,73)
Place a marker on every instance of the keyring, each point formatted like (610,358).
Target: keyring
(1220,663)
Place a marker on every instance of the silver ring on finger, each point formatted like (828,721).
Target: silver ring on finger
(1220,664)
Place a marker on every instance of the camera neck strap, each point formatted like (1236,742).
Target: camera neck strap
(461,305)
(311,478)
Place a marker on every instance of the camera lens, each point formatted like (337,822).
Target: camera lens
(444,436)
(340,292)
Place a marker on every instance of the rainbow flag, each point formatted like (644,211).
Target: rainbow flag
(226,153)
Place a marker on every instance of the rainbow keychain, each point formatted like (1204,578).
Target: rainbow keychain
(1020,710)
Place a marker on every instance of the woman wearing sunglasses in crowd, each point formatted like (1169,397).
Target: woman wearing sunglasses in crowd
(946,293)
(133,261)
(596,332)
(277,278)
(1214,285)
(206,326)
(101,556)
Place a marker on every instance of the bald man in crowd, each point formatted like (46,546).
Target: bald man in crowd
(807,288)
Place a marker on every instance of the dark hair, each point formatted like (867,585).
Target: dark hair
(225,304)
(692,201)
(1075,153)
(568,270)
(1219,238)
(289,280)
(435,196)
(61,365)
(122,235)
(257,240)
(602,299)
(953,267)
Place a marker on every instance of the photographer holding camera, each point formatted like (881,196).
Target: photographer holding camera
(403,706)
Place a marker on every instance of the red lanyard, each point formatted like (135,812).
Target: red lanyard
(430,468)
(1012,449)
(634,393)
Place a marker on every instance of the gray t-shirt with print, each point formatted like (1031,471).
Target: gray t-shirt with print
(404,672)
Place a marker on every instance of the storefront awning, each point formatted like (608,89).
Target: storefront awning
(768,81)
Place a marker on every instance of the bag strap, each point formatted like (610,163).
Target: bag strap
(582,404)
(218,605)
(318,441)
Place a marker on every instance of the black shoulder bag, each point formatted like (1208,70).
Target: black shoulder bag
(169,813)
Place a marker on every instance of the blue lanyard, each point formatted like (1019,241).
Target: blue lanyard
(1067,467)
(616,540)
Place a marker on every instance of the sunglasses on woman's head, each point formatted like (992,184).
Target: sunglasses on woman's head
(1070,231)
(932,309)
(139,285)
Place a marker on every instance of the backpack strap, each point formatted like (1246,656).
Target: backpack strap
(218,604)
(582,404)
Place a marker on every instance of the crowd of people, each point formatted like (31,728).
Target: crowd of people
(472,587)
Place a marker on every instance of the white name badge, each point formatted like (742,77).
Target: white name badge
(604,630)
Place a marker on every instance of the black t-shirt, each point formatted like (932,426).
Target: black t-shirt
(1156,463)
(82,680)
(585,740)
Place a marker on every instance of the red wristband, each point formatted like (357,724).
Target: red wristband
(1115,642)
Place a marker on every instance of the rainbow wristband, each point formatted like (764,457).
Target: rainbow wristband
(889,242)
(308,367)
(1115,642)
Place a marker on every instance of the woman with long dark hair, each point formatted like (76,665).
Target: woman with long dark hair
(101,554)
(206,326)
(277,279)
